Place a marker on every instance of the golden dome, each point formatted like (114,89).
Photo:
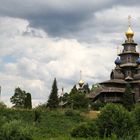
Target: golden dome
(81,82)
(129,33)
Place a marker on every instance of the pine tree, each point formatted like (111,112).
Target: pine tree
(28,101)
(53,98)
(73,90)
(128,99)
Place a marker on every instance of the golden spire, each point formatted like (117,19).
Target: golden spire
(129,33)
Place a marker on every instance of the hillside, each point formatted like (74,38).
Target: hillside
(45,124)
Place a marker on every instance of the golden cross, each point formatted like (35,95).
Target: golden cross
(129,20)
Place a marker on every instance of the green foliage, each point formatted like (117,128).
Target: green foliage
(2,105)
(128,98)
(136,114)
(80,100)
(65,97)
(85,131)
(41,107)
(95,87)
(21,99)
(59,124)
(114,119)
(97,105)
(73,90)
(37,116)
(73,114)
(77,100)
(16,130)
(53,98)
(18,99)
(28,101)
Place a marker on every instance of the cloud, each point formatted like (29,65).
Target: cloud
(79,20)
(42,39)
(31,59)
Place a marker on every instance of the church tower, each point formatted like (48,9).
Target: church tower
(127,70)
(129,56)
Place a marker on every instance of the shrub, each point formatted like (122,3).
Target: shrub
(97,105)
(74,115)
(16,130)
(85,131)
(71,113)
(115,119)
(41,107)
(2,105)
(136,114)
(37,116)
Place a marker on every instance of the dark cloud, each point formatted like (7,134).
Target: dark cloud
(63,18)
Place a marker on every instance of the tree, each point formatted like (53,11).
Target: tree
(28,101)
(18,99)
(21,99)
(53,98)
(73,90)
(116,120)
(128,98)
(77,99)
(80,100)
(72,93)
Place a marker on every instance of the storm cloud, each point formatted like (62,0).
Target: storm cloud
(67,18)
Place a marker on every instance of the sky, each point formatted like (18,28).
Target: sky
(45,39)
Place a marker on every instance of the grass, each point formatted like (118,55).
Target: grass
(92,114)
(51,124)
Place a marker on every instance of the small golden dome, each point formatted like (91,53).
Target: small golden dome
(129,33)
(81,82)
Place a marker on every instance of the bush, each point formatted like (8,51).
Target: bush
(97,105)
(85,131)
(115,119)
(16,130)
(74,115)
(71,113)
(136,114)
(2,105)
(41,107)
(80,101)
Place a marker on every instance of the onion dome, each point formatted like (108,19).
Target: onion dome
(81,83)
(118,61)
(129,33)
(138,61)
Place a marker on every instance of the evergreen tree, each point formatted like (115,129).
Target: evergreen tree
(28,101)
(73,90)
(77,99)
(128,98)
(72,93)
(53,98)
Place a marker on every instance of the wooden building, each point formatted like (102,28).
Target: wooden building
(127,70)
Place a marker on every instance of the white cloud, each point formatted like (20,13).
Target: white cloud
(31,59)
